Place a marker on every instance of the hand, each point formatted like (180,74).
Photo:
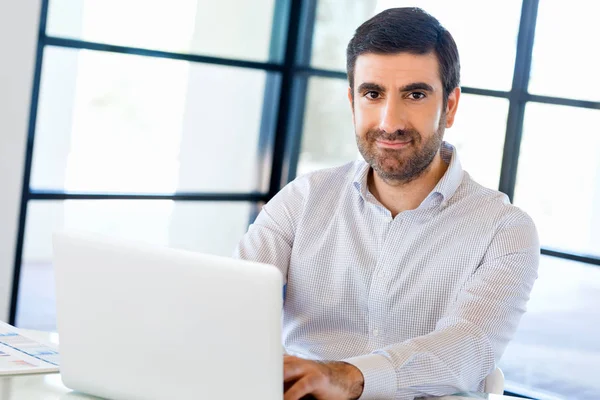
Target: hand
(322,380)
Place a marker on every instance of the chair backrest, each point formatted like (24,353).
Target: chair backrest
(494,382)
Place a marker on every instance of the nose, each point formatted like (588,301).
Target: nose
(393,116)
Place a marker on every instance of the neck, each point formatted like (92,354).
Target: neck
(402,196)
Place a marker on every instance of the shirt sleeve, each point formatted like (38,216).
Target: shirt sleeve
(471,337)
(270,238)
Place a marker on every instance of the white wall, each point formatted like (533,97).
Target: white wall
(18,39)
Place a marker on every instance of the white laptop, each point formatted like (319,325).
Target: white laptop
(143,322)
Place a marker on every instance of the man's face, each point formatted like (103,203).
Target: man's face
(398,112)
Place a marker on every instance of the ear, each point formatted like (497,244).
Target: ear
(452,106)
(351,100)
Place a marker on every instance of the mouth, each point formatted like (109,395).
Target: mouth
(392,144)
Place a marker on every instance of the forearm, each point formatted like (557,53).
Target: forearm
(447,361)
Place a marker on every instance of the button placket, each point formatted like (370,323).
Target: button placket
(386,262)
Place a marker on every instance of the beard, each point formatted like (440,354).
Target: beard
(405,164)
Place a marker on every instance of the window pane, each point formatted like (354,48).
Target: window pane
(328,138)
(209,227)
(556,348)
(328,133)
(114,122)
(564,62)
(485,33)
(478,134)
(558,181)
(205,27)
(334,29)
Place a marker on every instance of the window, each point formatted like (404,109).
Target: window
(565,63)
(328,134)
(559,176)
(126,123)
(186,26)
(478,134)
(151,122)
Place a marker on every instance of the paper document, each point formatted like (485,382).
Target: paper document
(21,355)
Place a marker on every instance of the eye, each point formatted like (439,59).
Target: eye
(372,95)
(417,95)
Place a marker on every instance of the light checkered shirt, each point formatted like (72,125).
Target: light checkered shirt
(423,304)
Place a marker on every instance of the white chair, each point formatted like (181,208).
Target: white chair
(494,382)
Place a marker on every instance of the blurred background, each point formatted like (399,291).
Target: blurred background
(172,122)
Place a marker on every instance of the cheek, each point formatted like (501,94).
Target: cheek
(428,121)
(365,120)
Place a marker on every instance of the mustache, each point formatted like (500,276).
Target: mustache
(401,134)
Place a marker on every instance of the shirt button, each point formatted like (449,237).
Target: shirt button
(381,274)
(375,332)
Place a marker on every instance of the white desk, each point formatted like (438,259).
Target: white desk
(50,387)
(37,386)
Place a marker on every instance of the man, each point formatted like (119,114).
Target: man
(405,278)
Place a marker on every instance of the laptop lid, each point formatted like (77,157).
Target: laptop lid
(143,322)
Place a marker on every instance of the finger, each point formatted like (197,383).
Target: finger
(294,359)
(294,370)
(299,389)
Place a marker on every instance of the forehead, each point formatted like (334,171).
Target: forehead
(397,69)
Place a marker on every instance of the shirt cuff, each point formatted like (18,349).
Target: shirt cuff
(379,374)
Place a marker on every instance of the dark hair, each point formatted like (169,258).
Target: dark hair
(409,30)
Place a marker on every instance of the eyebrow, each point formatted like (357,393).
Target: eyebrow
(407,88)
(368,86)
(417,86)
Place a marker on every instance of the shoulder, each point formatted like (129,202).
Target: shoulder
(317,186)
(322,182)
(495,206)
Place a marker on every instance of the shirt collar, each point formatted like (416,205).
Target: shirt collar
(453,177)
(446,187)
(360,177)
